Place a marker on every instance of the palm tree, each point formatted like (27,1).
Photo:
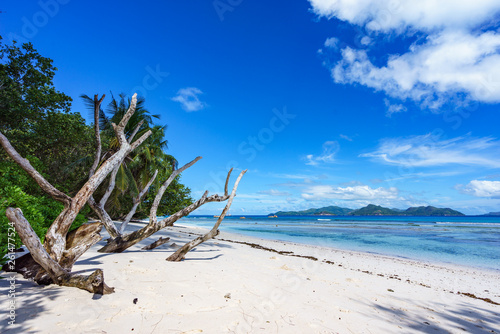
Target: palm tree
(137,169)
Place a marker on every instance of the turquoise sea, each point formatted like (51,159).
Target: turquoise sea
(471,241)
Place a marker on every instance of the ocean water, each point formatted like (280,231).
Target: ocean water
(471,241)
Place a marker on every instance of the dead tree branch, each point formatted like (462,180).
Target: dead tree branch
(181,252)
(136,201)
(155,244)
(35,175)
(98,207)
(123,242)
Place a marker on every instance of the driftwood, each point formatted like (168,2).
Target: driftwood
(98,207)
(52,262)
(155,244)
(119,244)
(181,252)
(55,257)
(93,283)
(123,242)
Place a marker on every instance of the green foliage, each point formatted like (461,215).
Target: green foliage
(36,119)
(140,165)
(27,94)
(176,197)
(375,210)
(16,189)
(431,211)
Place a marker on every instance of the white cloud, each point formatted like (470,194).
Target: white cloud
(365,40)
(189,100)
(321,192)
(449,63)
(429,150)
(332,42)
(482,188)
(456,58)
(345,137)
(425,15)
(330,148)
(393,108)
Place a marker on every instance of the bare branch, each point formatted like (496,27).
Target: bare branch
(132,135)
(119,129)
(181,252)
(137,200)
(105,218)
(39,179)
(139,141)
(163,188)
(227,182)
(55,238)
(111,186)
(155,244)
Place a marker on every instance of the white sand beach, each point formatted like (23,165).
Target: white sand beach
(227,286)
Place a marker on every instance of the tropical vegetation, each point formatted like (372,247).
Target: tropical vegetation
(37,120)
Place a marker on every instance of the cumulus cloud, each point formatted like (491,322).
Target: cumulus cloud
(456,57)
(482,188)
(426,15)
(430,150)
(448,64)
(321,192)
(189,100)
(330,148)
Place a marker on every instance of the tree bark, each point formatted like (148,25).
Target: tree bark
(181,252)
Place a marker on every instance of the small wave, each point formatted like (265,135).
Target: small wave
(325,220)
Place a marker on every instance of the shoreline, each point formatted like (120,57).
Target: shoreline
(382,253)
(240,284)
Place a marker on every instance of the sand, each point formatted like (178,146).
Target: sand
(227,286)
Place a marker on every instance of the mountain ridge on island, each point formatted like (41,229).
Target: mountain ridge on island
(372,210)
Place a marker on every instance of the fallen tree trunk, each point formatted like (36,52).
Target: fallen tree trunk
(93,283)
(77,242)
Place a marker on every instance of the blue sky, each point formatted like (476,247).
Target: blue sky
(324,102)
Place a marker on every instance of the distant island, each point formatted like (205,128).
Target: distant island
(372,210)
(492,214)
